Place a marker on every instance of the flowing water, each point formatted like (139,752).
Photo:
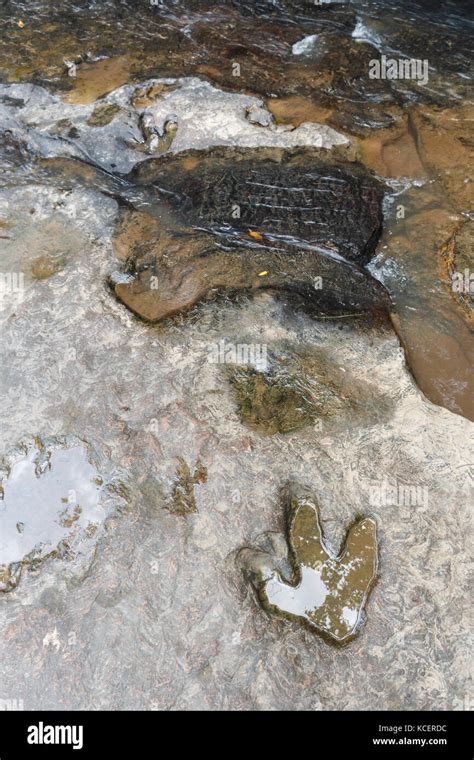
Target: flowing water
(139,459)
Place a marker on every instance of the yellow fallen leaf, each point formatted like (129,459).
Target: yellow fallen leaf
(255,235)
(262,274)
(21,24)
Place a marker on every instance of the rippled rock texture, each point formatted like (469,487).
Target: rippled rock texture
(162,617)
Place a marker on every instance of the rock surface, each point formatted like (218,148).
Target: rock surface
(158,615)
(163,618)
(111,133)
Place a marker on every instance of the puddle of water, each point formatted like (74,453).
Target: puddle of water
(52,505)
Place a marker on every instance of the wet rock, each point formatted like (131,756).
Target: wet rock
(291,11)
(103,114)
(270,404)
(208,116)
(256,114)
(53,503)
(155,141)
(436,32)
(135,231)
(327,591)
(257,220)
(166,31)
(297,109)
(300,196)
(393,152)
(146,95)
(412,264)
(242,50)
(329,68)
(258,39)
(306,389)
(289,395)
(39,244)
(160,594)
(178,601)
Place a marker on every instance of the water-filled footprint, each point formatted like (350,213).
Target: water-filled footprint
(327,591)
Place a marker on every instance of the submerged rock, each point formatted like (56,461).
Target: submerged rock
(297,390)
(295,194)
(328,591)
(446,151)
(287,221)
(415,265)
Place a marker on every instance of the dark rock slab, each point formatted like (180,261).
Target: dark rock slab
(338,207)
(254,219)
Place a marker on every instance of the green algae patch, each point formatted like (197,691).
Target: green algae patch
(274,402)
(298,390)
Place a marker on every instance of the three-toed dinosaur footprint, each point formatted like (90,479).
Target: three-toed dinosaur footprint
(327,591)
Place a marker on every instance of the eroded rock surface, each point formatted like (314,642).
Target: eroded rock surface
(158,115)
(165,590)
(162,618)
